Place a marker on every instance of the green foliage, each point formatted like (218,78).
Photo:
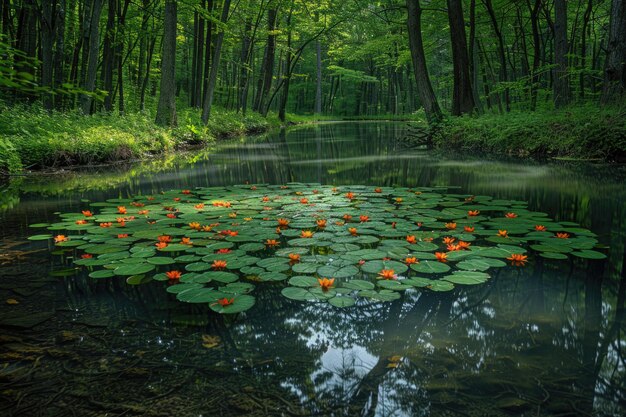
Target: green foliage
(33,137)
(580,132)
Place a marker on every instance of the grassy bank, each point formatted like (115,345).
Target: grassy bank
(580,132)
(32,138)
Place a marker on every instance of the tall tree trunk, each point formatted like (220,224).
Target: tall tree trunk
(267,68)
(473,55)
(146,78)
(420,71)
(59,51)
(215,64)
(503,73)
(614,88)
(94,51)
(199,52)
(583,48)
(166,110)
(246,46)
(207,50)
(561,88)
(119,49)
(108,56)
(318,77)
(462,99)
(46,21)
(534,78)
(282,107)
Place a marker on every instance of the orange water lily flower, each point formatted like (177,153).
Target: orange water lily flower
(142,212)
(122,236)
(173,274)
(247,219)
(340,223)
(150,198)
(121,219)
(232,215)
(398,200)
(194,225)
(306,234)
(186,191)
(540,228)
(510,215)
(186,241)
(428,239)
(411,239)
(279,231)
(321,223)
(87,213)
(283,187)
(106,224)
(503,233)
(177,199)
(364,218)
(86,256)
(352,231)
(316,191)
(411,260)
(387,274)
(199,206)
(137,204)
(326,283)
(452,247)
(60,238)
(218,265)
(171,215)
(81,222)
(265,199)
(283,222)
(161,245)
(469,229)
(517,259)
(253,188)
(164,238)
(225,302)
(473,213)
(450,226)
(207,228)
(463,245)
(448,240)
(350,196)
(294,258)
(378,190)
(223,250)
(121,209)
(272,243)
(441,256)
(563,235)
(347,217)
(304,200)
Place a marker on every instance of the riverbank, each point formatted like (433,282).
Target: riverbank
(31,138)
(587,132)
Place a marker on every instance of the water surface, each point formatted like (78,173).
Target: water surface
(547,339)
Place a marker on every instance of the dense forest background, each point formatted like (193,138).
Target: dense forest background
(348,57)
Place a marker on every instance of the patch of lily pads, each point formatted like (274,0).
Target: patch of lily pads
(340,245)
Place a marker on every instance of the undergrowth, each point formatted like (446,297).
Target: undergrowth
(577,132)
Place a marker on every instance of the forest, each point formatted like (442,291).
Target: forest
(166,73)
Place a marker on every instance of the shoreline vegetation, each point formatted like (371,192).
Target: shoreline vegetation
(31,139)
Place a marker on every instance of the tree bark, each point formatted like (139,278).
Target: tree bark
(614,88)
(560,86)
(503,73)
(92,60)
(215,63)
(166,110)
(267,68)
(46,22)
(424,88)
(462,99)
(534,78)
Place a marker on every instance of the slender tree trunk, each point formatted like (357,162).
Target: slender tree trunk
(561,88)
(462,99)
(146,78)
(246,45)
(108,58)
(207,51)
(200,37)
(424,88)
(583,48)
(208,99)
(94,50)
(473,55)
(46,23)
(59,51)
(119,50)
(166,110)
(282,107)
(614,89)
(534,79)
(503,73)
(267,68)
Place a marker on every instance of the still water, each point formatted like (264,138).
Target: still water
(547,339)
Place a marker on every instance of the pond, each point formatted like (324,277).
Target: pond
(546,339)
